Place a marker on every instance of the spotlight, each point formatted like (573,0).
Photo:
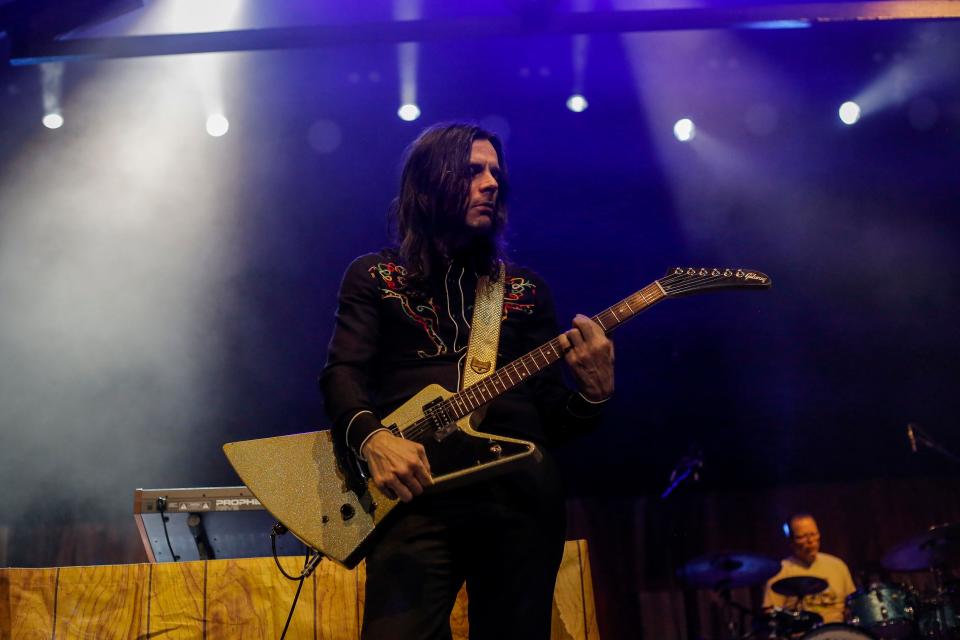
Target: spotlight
(409,112)
(684,130)
(217,125)
(577,103)
(53,121)
(849,112)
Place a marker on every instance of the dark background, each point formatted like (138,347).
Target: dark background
(163,292)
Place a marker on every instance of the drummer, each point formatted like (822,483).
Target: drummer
(807,560)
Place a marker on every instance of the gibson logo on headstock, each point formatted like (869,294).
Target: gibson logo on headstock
(750,275)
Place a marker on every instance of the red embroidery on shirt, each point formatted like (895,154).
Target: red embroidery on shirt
(517,296)
(424,313)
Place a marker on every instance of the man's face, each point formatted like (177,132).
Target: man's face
(805,539)
(482,200)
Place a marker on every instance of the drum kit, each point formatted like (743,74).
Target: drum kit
(878,611)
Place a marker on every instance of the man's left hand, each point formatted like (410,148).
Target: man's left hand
(589,353)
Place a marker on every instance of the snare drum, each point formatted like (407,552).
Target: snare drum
(885,610)
(838,631)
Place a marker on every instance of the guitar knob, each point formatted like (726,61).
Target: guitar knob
(347,512)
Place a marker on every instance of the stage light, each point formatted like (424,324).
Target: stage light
(53,121)
(849,112)
(577,103)
(409,112)
(684,130)
(217,125)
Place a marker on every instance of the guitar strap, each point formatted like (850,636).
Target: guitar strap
(484,333)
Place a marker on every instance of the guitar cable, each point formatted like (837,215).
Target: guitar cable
(310,562)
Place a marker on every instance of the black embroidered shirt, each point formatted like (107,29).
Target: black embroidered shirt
(391,339)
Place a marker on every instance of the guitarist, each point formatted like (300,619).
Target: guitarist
(403,322)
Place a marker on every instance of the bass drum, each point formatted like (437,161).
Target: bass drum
(838,631)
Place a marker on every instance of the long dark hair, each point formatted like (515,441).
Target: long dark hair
(429,213)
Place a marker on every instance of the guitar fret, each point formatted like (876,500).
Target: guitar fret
(468,400)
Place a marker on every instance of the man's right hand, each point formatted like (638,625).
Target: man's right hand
(399,467)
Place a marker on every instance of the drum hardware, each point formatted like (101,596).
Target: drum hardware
(785,623)
(938,618)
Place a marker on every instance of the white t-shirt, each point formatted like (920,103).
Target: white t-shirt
(829,603)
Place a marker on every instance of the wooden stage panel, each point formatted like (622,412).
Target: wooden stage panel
(338,603)
(232,599)
(106,602)
(27,600)
(573,613)
(250,599)
(177,600)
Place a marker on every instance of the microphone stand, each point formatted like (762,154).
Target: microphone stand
(686,467)
(918,435)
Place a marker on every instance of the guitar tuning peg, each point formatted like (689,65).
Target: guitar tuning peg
(715,272)
(678,271)
(727,272)
(740,273)
(691,271)
(703,271)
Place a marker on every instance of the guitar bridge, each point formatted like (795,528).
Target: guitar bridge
(441,433)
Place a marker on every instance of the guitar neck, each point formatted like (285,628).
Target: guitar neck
(480,393)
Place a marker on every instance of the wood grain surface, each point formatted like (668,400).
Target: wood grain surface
(241,599)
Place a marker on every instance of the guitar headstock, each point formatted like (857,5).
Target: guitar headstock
(681,281)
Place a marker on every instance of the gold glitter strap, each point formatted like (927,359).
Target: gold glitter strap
(485,329)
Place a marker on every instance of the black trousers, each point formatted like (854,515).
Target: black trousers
(503,537)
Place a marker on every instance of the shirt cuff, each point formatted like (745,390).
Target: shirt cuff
(361,426)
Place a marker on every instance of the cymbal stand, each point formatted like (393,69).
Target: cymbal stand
(733,627)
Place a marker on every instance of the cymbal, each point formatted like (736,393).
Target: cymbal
(937,547)
(728,570)
(799,586)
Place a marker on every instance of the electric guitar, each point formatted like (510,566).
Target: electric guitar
(317,489)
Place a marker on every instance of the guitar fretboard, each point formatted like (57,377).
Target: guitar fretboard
(478,394)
